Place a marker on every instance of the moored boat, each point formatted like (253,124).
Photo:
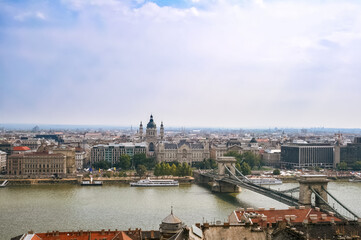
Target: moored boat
(91,183)
(355,180)
(154,183)
(4,184)
(265,180)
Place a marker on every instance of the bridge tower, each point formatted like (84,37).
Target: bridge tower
(311,184)
(222,186)
(230,162)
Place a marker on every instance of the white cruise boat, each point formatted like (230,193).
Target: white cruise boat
(91,183)
(265,180)
(154,183)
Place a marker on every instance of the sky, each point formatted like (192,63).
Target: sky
(215,63)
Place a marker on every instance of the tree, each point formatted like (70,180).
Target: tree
(157,170)
(124,161)
(252,159)
(276,172)
(138,159)
(141,170)
(173,170)
(356,165)
(245,169)
(102,165)
(342,166)
(141,159)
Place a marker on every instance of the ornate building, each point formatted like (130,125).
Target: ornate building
(151,135)
(182,151)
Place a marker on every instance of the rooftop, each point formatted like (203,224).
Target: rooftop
(21,148)
(301,215)
(86,235)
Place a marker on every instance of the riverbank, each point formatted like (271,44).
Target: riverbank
(106,181)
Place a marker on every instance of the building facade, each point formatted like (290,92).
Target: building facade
(182,152)
(233,145)
(33,144)
(272,157)
(79,159)
(69,152)
(36,164)
(6,147)
(307,155)
(2,161)
(112,152)
(351,153)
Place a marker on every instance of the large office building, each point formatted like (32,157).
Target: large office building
(351,153)
(112,152)
(6,147)
(307,155)
(36,164)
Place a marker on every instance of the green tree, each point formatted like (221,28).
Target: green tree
(124,161)
(157,170)
(238,166)
(141,159)
(356,165)
(252,159)
(342,166)
(245,169)
(173,170)
(141,170)
(101,165)
(276,172)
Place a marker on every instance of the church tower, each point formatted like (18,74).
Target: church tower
(151,135)
(141,131)
(161,132)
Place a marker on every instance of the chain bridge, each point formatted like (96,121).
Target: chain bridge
(312,190)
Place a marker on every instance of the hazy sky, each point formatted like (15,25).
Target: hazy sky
(220,63)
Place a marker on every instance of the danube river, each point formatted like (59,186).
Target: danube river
(70,207)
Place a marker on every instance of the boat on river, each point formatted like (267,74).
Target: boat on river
(265,180)
(91,183)
(154,183)
(4,184)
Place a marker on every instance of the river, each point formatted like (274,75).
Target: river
(71,207)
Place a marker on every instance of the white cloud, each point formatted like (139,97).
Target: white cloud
(279,63)
(28,15)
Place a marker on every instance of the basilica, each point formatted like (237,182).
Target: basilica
(170,151)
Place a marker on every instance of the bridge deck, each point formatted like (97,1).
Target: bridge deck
(281,197)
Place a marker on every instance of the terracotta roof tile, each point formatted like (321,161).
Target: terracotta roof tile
(21,148)
(292,215)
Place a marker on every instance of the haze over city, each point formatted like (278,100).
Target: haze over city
(190,63)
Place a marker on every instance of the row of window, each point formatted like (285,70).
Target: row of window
(32,171)
(43,165)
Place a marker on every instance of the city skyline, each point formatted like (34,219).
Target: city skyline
(229,64)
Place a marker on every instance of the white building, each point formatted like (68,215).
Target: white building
(79,159)
(2,161)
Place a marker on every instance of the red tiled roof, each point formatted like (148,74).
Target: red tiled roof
(21,148)
(92,235)
(309,214)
